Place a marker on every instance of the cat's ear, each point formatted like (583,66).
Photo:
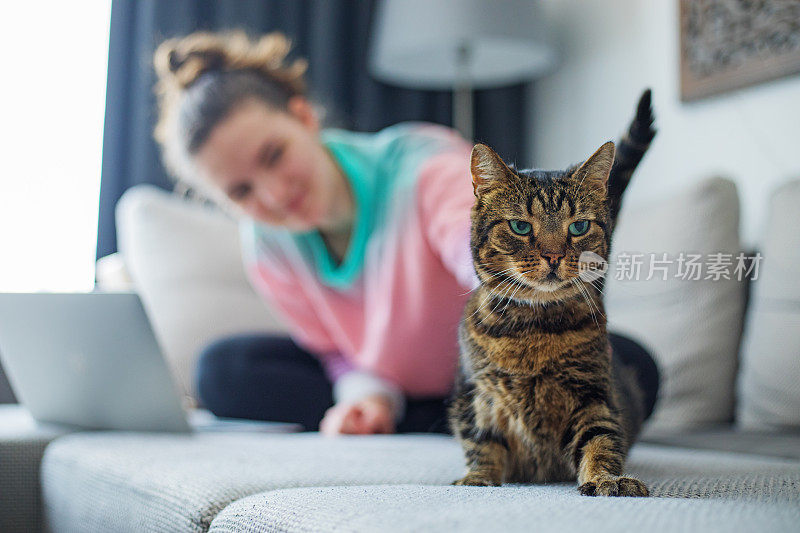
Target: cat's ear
(596,169)
(487,168)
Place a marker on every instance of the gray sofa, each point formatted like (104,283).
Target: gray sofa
(114,481)
(705,472)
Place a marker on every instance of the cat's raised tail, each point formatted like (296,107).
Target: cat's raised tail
(630,150)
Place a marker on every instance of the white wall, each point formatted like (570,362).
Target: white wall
(612,49)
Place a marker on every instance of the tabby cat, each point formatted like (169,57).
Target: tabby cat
(536,398)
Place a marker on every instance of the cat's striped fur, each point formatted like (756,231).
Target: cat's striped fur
(536,397)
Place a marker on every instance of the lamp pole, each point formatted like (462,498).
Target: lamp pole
(462,93)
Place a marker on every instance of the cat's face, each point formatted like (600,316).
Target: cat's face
(530,227)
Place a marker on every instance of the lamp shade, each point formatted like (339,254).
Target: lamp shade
(438,44)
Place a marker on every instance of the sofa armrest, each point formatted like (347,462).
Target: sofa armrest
(22,445)
(6,393)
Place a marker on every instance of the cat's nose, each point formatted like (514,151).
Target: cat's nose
(553,258)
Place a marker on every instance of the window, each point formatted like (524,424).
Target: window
(54,57)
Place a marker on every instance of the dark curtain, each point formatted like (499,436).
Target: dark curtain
(332,34)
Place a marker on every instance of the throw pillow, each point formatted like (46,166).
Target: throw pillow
(665,290)
(185,262)
(769,378)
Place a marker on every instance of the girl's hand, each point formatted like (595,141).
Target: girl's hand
(371,415)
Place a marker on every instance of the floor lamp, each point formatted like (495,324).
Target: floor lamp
(461,45)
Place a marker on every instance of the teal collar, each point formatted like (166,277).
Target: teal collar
(357,171)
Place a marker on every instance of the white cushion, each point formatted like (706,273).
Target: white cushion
(691,327)
(185,262)
(769,380)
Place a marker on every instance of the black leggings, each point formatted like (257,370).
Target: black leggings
(264,377)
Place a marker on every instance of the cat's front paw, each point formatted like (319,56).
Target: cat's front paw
(475,479)
(618,486)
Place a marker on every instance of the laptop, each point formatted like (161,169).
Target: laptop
(91,361)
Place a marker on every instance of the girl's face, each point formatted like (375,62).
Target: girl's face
(272,165)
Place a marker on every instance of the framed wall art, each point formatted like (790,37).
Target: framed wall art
(728,44)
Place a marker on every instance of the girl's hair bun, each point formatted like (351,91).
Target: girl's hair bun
(180,62)
(207,60)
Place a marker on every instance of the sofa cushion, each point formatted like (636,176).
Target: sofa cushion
(692,327)
(509,508)
(769,378)
(135,482)
(184,259)
(690,491)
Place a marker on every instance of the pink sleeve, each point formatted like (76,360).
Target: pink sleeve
(445,198)
(290,302)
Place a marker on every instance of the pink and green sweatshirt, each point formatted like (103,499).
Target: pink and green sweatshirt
(385,319)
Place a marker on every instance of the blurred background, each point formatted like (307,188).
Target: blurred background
(78,105)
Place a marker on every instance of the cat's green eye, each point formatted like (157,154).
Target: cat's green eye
(578,228)
(520,227)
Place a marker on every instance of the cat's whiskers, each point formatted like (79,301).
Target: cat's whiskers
(514,283)
(521,286)
(592,301)
(500,273)
(575,282)
(500,298)
(492,276)
(498,304)
(489,295)
(598,288)
(588,299)
(495,274)
(489,278)
(508,302)
(593,306)
(595,283)
(482,304)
